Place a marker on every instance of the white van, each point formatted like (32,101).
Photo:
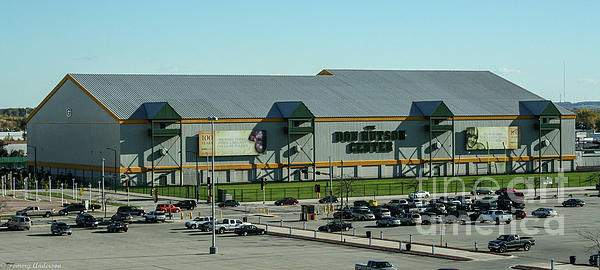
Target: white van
(19,223)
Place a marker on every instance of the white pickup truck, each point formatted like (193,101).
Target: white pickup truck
(35,211)
(497,216)
(227,225)
(375,265)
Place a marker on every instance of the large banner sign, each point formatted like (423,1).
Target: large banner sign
(484,138)
(233,142)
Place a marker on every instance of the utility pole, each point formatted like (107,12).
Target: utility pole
(103,200)
(213,248)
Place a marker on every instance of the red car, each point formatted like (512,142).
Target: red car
(168,208)
(505,189)
(286,201)
(520,214)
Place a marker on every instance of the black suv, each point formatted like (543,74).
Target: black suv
(186,204)
(60,228)
(86,220)
(131,210)
(121,217)
(73,208)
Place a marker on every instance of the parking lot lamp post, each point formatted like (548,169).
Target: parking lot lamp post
(73,187)
(103,200)
(62,196)
(116,169)
(37,199)
(213,248)
(90,192)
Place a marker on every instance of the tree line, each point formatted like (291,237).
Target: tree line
(587,119)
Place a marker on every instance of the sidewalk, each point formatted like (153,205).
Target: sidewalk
(383,244)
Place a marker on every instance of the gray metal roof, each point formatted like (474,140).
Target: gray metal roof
(349,93)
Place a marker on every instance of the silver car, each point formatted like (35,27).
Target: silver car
(362,214)
(388,222)
(544,212)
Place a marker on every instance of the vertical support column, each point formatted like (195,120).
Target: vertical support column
(430,150)
(312,124)
(560,154)
(152,153)
(453,150)
(540,119)
(181,152)
(288,150)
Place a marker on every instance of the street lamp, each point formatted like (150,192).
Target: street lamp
(115,172)
(35,159)
(212,119)
(103,200)
(197,176)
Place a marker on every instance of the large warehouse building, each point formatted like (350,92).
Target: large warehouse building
(156,129)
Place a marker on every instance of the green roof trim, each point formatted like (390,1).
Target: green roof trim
(161,111)
(551,110)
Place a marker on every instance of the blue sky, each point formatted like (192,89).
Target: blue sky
(523,41)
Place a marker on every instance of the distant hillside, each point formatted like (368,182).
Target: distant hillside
(594,105)
(13,119)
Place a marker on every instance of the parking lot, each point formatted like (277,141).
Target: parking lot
(170,246)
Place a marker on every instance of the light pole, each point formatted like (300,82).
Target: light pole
(103,200)
(115,172)
(212,119)
(62,196)
(197,195)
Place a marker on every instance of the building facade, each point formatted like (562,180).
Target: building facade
(157,129)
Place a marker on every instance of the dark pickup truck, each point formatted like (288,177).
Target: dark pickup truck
(510,241)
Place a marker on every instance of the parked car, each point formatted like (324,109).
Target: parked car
(86,220)
(248,230)
(19,223)
(168,208)
(287,201)
(329,199)
(594,259)
(410,219)
(73,208)
(396,203)
(497,216)
(375,265)
(35,211)
(520,214)
(186,204)
(155,216)
(388,222)
(361,203)
(419,194)
(121,217)
(197,222)
(465,199)
(362,214)
(227,225)
(544,212)
(117,226)
(484,191)
(428,218)
(505,189)
(229,203)
(131,210)
(381,212)
(573,202)
(486,203)
(345,213)
(60,228)
(335,226)
(510,241)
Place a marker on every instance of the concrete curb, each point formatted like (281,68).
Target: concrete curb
(417,253)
